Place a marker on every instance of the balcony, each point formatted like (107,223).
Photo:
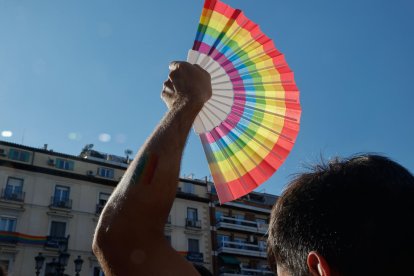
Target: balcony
(61,203)
(195,257)
(8,194)
(245,270)
(55,242)
(194,224)
(241,248)
(242,225)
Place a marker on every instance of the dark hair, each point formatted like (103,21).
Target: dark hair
(202,270)
(358,213)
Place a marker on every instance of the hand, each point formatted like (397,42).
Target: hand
(187,84)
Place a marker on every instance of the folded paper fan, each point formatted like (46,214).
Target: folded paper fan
(250,124)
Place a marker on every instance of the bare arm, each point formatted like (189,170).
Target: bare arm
(129,238)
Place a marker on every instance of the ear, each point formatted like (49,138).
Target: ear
(317,264)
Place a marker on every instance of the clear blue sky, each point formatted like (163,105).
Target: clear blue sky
(73,70)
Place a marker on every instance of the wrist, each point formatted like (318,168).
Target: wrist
(188,106)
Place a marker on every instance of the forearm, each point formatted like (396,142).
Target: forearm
(140,204)
(149,185)
(129,238)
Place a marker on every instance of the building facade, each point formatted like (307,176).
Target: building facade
(50,203)
(239,234)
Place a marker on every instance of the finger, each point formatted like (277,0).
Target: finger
(201,69)
(174,65)
(168,87)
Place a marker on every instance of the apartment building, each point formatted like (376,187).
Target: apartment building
(239,234)
(188,225)
(50,202)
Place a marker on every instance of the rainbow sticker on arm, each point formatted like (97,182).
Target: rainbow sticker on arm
(250,124)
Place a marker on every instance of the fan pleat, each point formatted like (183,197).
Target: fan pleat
(244,149)
(251,147)
(269,126)
(207,12)
(233,169)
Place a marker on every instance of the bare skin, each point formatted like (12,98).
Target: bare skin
(129,238)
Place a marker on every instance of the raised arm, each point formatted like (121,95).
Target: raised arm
(129,238)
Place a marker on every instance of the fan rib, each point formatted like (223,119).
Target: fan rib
(262,97)
(245,45)
(236,126)
(242,149)
(264,69)
(264,158)
(253,58)
(265,111)
(224,150)
(228,25)
(263,126)
(226,113)
(202,115)
(213,113)
(208,11)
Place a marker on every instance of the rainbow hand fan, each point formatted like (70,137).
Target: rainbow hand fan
(250,124)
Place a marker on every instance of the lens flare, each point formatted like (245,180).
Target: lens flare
(6,133)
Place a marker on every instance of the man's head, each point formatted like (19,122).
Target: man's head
(347,217)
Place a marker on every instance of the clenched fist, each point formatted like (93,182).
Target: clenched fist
(187,84)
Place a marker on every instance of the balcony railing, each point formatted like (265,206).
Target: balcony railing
(57,242)
(224,271)
(64,203)
(191,223)
(241,224)
(195,257)
(8,194)
(241,248)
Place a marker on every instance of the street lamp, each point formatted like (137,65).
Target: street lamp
(40,259)
(78,265)
(62,262)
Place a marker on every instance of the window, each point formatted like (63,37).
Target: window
(257,198)
(261,222)
(188,188)
(19,155)
(222,239)
(58,229)
(7,224)
(193,245)
(106,172)
(239,218)
(192,214)
(61,197)
(102,200)
(219,214)
(262,245)
(240,242)
(61,193)
(64,164)
(14,189)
